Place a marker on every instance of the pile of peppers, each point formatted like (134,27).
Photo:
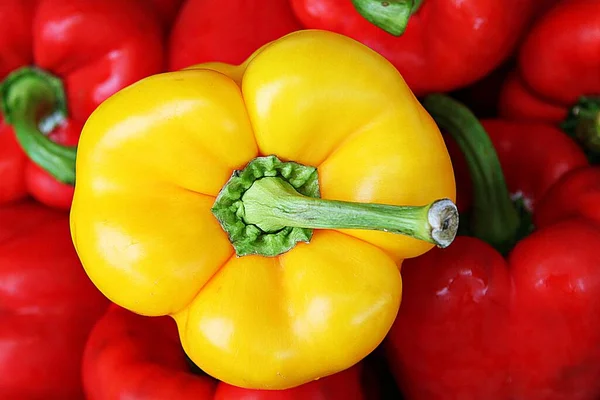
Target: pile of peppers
(314,199)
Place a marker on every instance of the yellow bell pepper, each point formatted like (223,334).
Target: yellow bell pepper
(207,194)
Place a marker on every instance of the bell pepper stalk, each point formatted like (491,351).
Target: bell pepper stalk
(499,227)
(47,94)
(260,207)
(205,31)
(522,322)
(125,349)
(270,206)
(432,34)
(24,95)
(391,16)
(48,305)
(558,64)
(583,124)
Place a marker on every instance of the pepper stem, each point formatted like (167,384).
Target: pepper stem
(494,218)
(390,15)
(272,204)
(583,124)
(33,102)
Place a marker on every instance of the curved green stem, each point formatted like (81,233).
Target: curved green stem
(494,218)
(273,204)
(270,206)
(583,124)
(33,102)
(390,15)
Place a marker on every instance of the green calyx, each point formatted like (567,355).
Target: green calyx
(495,218)
(229,209)
(33,102)
(270,206)
(583,125)
(390,15)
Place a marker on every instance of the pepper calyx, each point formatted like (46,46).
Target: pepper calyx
(583,125)
(270,206)
(228,208)
(390,15)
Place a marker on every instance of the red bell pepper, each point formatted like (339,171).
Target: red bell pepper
(476,325)
(61,59)
(517,145)
(575,195)
(167,11)
(447,44)
(516,102)
(207,31)
(136,357)
(559,61)
(48,305)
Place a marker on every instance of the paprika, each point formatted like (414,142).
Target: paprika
(131,356)
(206,31)
(267,215)
(558,62)
(48,305)
(477,325)
(446,44)
(61,58)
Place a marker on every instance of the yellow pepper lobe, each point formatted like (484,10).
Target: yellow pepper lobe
(153,158)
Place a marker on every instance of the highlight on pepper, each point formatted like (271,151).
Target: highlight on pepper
(266,207)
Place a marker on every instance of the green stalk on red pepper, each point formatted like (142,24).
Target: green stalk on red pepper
(475,323)
(62,59)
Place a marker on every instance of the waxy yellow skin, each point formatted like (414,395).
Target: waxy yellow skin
(153,157)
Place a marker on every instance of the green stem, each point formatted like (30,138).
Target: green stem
(583,124)
(390,15)
(494,218)
(273,204)
(33,102)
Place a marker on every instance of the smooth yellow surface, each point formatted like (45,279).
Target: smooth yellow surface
(152,158)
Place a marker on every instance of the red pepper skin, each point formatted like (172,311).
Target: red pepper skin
(96,47)
(530,169)
(48,305)
(167,11)
(577,194)
(135,357)
(13,163)
(516,102)
(449,339)
(206,31)
(558,61)
(475,326)
(345,385)
(447,45)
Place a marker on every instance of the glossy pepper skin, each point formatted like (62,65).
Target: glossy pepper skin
(206,31)
(136,357)
(575,195)
(95,48)
(558,62)
(447,44)
(254,321)
(476,325)
(517,145)
(48,305)
(168,11)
